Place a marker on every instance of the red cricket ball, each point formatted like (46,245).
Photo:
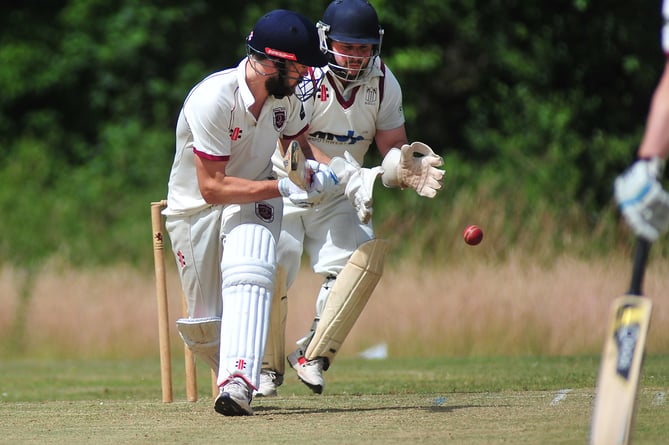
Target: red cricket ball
(473,235)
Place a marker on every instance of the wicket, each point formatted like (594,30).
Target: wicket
(163,317)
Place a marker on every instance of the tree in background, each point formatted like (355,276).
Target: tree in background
(540,103)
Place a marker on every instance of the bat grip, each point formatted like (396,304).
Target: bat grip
(641,251)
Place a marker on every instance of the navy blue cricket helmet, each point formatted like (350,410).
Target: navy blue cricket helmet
(287,35)
(354,22)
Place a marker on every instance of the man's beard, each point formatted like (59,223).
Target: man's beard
(276,86)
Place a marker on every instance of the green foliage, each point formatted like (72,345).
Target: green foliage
(536,108)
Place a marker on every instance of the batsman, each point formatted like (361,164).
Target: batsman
(224,203)
(358,102)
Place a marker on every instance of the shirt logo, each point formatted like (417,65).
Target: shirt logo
(349,138)
(370,96)
(279,118)
(235,133)
(323,93)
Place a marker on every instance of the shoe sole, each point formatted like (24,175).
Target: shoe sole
(228,407)
(260,394)
(318,389)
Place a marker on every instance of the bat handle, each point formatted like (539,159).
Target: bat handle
(641,251)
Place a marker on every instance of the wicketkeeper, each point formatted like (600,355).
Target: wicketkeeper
(358,101)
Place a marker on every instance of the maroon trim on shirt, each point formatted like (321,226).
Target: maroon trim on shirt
(209,157)
(382,82)
(347,103)
(344,103)
(285,136)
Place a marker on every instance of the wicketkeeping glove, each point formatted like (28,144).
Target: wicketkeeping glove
(358,182)
(402,168)
(642,200)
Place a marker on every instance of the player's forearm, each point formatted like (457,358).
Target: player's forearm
(233,190)
(389,139)
(655,142)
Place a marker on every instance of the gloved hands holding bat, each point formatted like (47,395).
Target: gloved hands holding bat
(641,198)
(308,181)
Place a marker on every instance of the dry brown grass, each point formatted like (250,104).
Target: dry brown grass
(473,306)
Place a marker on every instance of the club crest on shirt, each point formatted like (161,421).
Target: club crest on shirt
(279,118)
(265,211)
(371,95)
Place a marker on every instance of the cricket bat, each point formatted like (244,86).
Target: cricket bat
(295,164)
(622,359)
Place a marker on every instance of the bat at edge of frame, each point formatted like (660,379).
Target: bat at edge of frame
(622,359)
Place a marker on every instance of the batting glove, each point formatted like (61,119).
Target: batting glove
(322,182)
(323,179)
(642,200)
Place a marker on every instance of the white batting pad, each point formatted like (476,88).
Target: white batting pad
(247,268)
(202,336)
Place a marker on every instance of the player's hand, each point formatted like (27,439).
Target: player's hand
(414,166)
(359,184)
(323,180)
(344,167)
(321,183)
(642,200)
(359,191)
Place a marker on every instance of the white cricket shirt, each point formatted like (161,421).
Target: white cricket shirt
(215,123)
(347,119)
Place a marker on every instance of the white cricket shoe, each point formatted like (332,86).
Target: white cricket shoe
(234,398)
(270,380)
(310,372)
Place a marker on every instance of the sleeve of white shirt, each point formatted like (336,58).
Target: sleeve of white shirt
(208,114)
(391,113)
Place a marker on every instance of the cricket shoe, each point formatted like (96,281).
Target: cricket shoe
(234,398)
(270,380)
(310,372)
